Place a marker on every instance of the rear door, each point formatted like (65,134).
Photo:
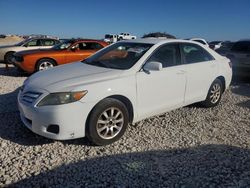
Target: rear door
(201,70)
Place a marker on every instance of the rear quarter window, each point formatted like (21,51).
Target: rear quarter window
(195,54)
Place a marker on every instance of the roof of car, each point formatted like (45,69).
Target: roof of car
(154,40)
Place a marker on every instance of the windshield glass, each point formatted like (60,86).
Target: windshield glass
(119,56)
(22,42)
(63,45)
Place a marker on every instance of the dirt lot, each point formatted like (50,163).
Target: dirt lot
(10,40)
(188,147)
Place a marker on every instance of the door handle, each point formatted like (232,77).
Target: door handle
(181,72)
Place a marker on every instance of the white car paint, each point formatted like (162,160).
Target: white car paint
(149,93)
(201,41)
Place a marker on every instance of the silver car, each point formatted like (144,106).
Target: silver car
(240,58)
(6,52)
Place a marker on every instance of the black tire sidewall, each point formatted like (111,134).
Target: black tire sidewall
(91,131)
(207,102)
(41,61)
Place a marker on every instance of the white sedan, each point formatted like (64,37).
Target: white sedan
(121,84)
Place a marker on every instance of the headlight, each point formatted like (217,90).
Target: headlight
(62,98)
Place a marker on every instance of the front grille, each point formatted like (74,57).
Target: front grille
(30,97)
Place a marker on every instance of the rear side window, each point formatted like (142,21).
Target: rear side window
(242,46)
(195,54)
(168,55)
(48,42)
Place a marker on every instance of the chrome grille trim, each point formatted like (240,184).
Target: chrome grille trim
(30,96)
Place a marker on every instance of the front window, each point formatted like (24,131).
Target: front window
(32,43)
(168,55)
(63,45)
(119,56)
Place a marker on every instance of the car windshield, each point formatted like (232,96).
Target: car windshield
(108,36)
(22,42)
(122,55)
(63,45)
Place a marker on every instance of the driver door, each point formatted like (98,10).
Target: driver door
(163,90)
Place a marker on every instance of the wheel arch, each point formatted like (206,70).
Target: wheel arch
(223,81)
(46,58)
(122,99)
(8,52)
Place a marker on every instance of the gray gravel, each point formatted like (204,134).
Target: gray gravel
(188,147)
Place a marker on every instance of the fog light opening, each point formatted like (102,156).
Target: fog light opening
(53,129)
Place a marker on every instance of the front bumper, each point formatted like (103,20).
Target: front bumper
(71,118)
(23,66)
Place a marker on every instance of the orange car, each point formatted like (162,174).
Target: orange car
(65,52)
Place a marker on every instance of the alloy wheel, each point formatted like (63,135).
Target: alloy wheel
(110,123)
(215,93)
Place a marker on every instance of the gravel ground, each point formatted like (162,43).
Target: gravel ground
(188,147)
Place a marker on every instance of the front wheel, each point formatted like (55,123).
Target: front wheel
(107,122)
(8,57)
(214,94)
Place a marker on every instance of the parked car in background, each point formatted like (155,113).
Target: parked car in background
(67,52)
(240,57)
(225,48)
(126,36)
(2,36)
(123,83)
(200,40)
(215,44)
(111,38)
(6,52)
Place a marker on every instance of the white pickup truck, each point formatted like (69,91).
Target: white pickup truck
(126,36)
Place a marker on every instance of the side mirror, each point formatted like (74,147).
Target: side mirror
(152,66)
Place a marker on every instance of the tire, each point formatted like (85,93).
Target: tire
(44,64)
(8,56)
(214,94)
(101,122)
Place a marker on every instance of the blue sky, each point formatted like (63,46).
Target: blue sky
(210,19)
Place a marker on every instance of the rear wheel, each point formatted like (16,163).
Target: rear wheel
(44,64)
(8,57)
(214,94)
(107,122)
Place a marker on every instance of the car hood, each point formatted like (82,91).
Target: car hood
(69,76)
(7,46)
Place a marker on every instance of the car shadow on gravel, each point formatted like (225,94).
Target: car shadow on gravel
(12,128)
(12,71)
(202,166)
